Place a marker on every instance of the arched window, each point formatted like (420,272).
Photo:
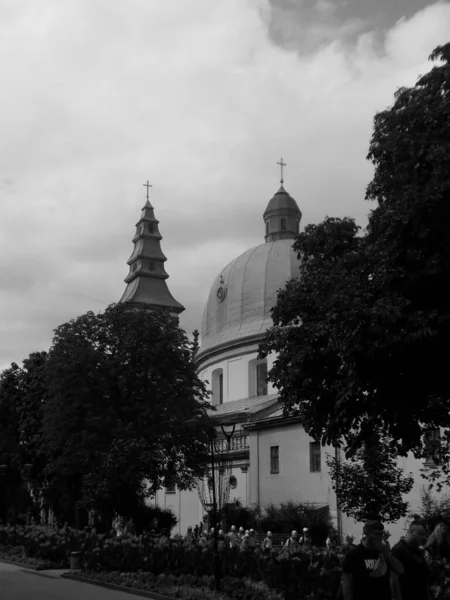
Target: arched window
(257,378)
(283,224)
(267,227)
(151,266)
(217,386)
(150,227)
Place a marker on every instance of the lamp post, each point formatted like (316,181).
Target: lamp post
(219,449)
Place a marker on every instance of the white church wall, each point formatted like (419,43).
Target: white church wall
(240,492)
(185,505)
(237,378)
(294,481)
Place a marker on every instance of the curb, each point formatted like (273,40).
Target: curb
(41,574)
(25,565)
(119,588)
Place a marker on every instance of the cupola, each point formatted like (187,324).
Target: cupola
(282,216)
(146,280)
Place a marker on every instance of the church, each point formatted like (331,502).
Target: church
(271,458)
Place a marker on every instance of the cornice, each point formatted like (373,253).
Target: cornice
(209,355)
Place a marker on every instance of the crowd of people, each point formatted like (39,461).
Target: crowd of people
(245,539)
(371,569)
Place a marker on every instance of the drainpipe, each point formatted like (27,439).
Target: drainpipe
(337,455)
(257,464)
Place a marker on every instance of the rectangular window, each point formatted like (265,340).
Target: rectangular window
(170,487)
(274,459)
(261,379)
(315,457)
(432,444)
(221,388)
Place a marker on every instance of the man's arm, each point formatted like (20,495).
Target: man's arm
(393,562)
(347,586)
(395,586)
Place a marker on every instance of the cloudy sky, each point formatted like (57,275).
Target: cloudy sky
(200,97)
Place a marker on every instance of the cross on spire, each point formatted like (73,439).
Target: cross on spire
(149,185)
(282,164)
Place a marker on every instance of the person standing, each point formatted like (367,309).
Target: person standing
(413,583)
(369,568)
(267,544)
(292,543)
(233,537)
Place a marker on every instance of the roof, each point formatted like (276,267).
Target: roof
(282,201)
(146,280)
(248,407)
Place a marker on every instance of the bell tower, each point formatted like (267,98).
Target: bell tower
(146,280)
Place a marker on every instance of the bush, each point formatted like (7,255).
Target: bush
(145,518)
(290,516)
(235,513)
(433,510)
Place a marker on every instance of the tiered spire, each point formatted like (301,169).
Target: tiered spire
(282,215)
(146,281)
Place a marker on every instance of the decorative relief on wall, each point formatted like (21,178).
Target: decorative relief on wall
(221,290)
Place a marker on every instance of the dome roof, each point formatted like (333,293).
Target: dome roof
(243,293)
(282,201)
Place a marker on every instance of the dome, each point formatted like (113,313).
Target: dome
(243,293)
(283,201)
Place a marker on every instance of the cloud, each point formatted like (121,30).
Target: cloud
(99,96)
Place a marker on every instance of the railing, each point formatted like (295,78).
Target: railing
(239,442)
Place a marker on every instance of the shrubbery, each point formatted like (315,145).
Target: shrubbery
(174,566)
(282,518)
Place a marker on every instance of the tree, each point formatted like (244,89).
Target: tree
(374,309)
(121,386)
(14,454)
(371,485)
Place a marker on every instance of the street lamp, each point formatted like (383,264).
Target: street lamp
(219,449)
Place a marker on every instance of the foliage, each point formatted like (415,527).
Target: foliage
(374,309)
(290,516)
(148,518)
(185,570)
(433,510)
(14,447)
(235,513)
(302,572)
(185,587)
(371,485)
(100,417)
(123,384)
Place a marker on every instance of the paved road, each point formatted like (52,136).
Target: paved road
(17,584)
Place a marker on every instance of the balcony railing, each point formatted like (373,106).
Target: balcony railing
(238,442)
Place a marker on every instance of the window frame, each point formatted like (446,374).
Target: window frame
(261,385)
(315,457)
(274,460)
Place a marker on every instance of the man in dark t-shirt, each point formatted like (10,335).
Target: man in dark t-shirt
(413,584)
(369,568)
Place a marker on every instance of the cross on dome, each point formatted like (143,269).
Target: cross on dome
(282,164)
(149,185)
